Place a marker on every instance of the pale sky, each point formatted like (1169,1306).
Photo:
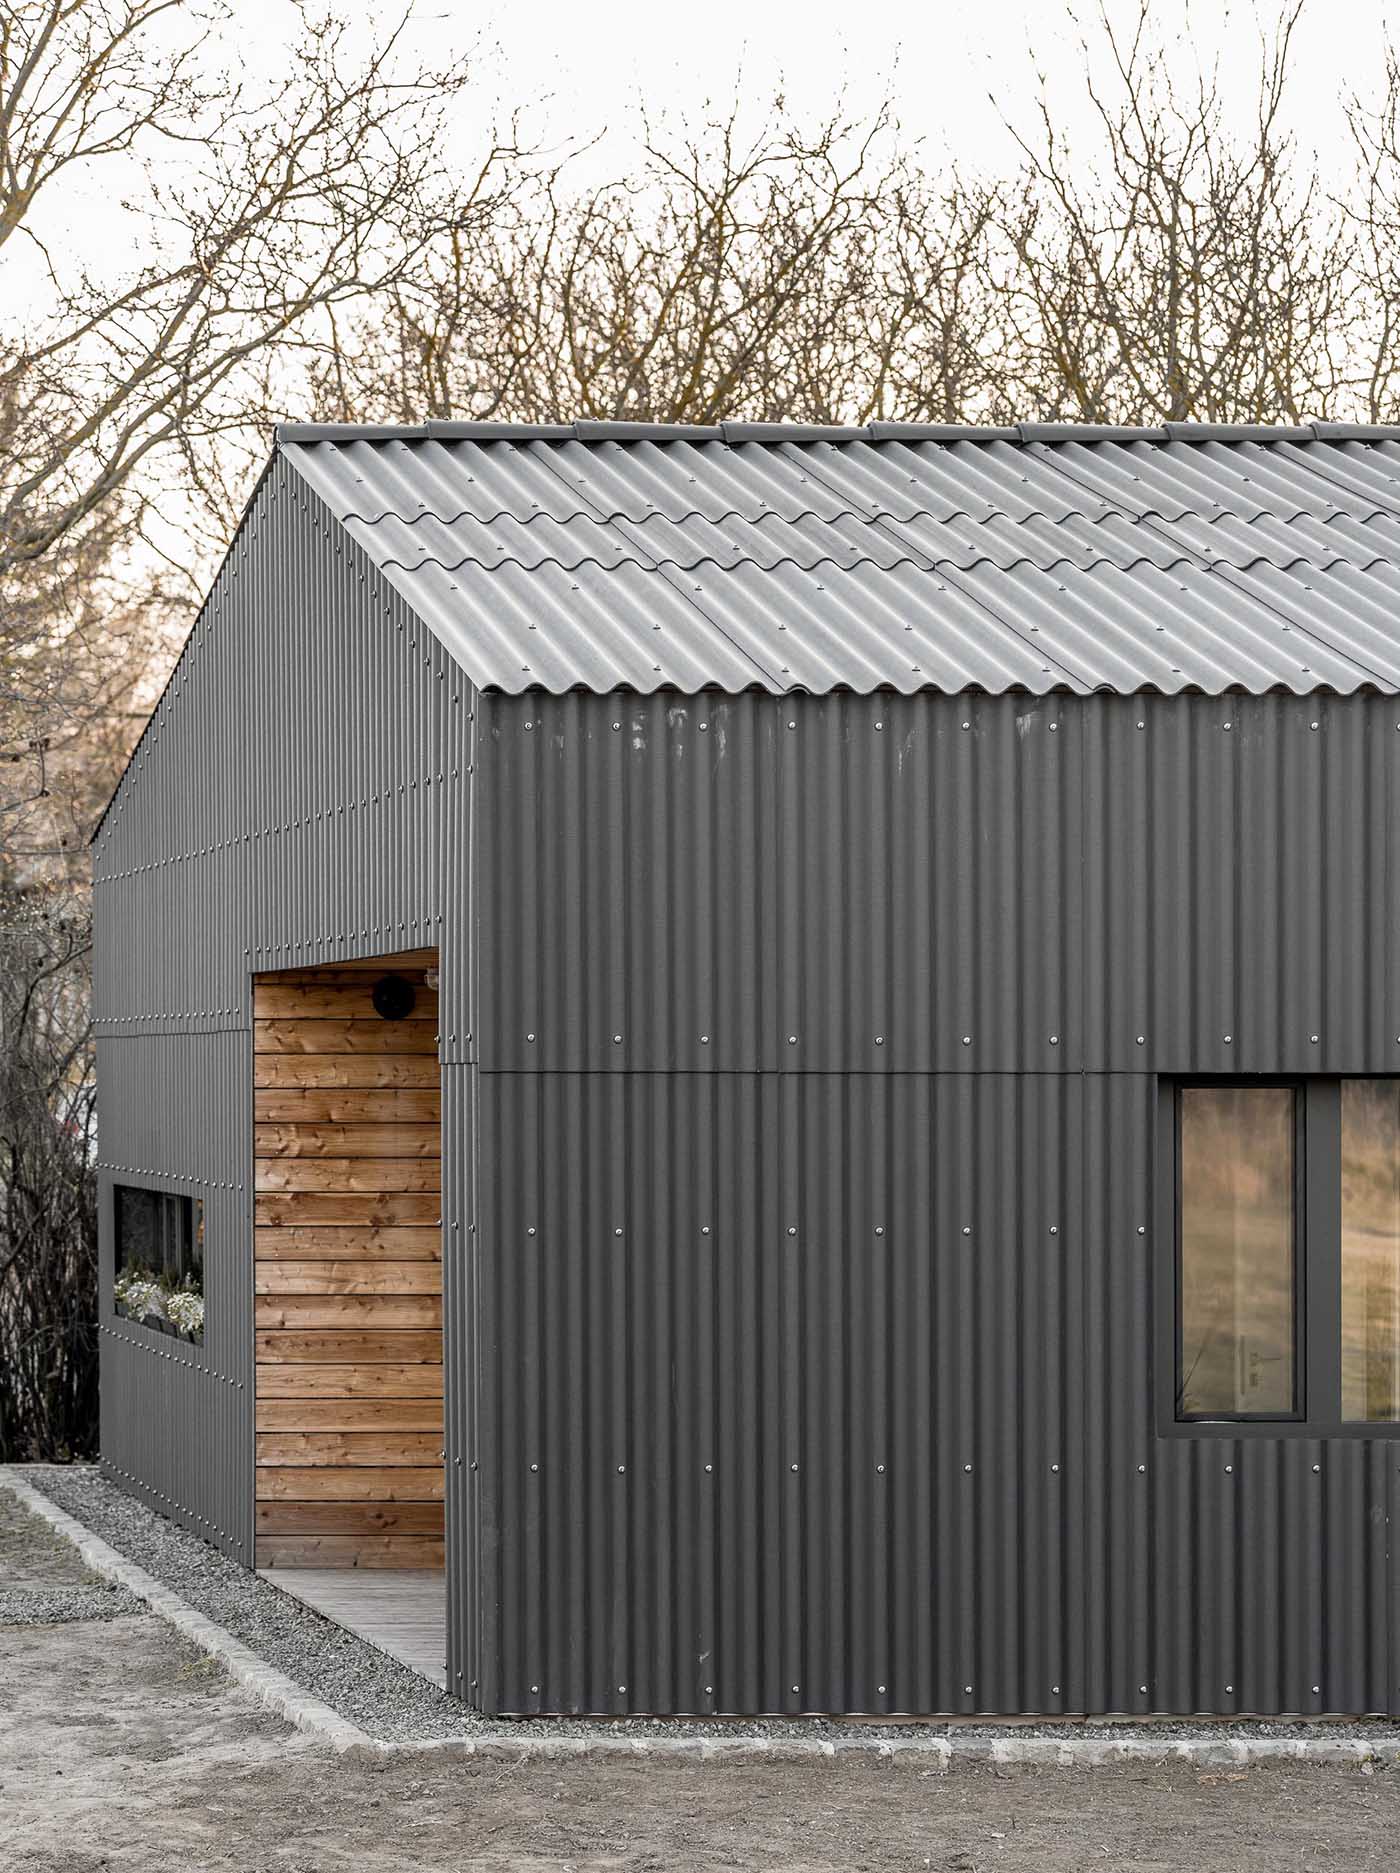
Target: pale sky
(580,69)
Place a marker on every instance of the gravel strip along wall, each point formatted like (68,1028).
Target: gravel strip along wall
(372,1704)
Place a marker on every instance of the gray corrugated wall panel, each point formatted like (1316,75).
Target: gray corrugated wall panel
(177,1419)
(833,883)
(286,807)
(1116,883)
(1241,881)
(929,1293)
(918,883)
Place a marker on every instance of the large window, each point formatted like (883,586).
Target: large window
(1287,1227)
(159,1276)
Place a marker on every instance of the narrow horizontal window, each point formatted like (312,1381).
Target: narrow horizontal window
(1238,1252)
(1371,1250)
(159,1275)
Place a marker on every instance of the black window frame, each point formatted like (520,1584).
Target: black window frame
(1317,1266)
(195,1218)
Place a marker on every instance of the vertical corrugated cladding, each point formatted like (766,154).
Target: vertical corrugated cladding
(284,807)
(471,1539)
(819,1043)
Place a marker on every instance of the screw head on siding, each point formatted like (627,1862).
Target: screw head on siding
(879,1229)
(1313,1039)
(1142,1229)
(529,1037)
(879,1040)
(704,1040)
(704,1229)
(617,1231)
(1054,1229)
(1054,1040)
(881,1689)
(967,1040)
(879,1469)
(967,1469)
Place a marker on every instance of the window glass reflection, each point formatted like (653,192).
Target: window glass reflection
(1237,1252)
(1371,1249)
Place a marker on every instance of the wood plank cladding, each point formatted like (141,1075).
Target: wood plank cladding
(347,1270)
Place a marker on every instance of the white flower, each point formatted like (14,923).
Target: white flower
(185,1310)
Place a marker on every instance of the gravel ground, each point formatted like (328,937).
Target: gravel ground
(389,1701)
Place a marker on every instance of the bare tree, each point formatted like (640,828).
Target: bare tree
(1176,270)
(48,1235)
(801,273)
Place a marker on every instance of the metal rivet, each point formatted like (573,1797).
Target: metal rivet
(879,1469)
(1142,1229)
(792,1040)
(879,1040)
(708,1468)
(881,1689)
(1317,1469)
(967,1690)
(967,1040)
(535,1689)
(534,1467)
(1229,1468)
(792,725)
(1228,1039)
(1230,1687)
(967,1469)
(1054,1040)
(704,1229)
(879,1229)
(529,1037)
(704,1040)
(792,1229)
(1142,1469)
(967,725)
(967,1229)
(622,1469)
(1055,1469)
(529,1232)
(617,1040)
(794,1469)
(1313,1039)
(617,1232)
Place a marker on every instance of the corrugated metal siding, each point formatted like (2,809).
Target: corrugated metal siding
(835,1137)
(285,807)
(677,559)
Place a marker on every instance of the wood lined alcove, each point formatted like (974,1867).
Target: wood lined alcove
(347,1248)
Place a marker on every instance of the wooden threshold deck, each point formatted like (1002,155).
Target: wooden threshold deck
(403,1611)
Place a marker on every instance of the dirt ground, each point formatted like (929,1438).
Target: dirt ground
(121,1746)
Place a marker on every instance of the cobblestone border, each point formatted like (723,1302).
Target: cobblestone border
(929,1754)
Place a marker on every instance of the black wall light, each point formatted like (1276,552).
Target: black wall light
(393,998)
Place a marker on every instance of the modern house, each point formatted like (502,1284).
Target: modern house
(781,1048)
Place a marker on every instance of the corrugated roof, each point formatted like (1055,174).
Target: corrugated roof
(607,556)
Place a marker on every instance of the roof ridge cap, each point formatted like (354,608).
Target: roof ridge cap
(732,434)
